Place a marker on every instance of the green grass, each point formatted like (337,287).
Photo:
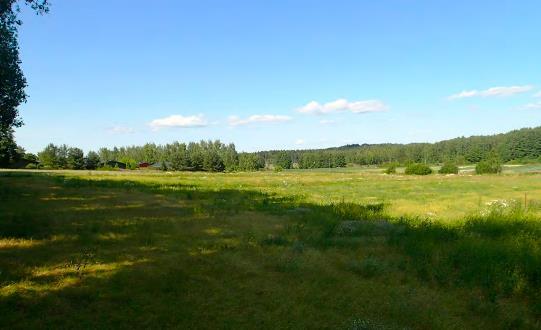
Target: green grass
(342,249)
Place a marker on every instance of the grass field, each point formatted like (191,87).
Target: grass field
(337,249)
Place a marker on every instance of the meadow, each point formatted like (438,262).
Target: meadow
(304,249)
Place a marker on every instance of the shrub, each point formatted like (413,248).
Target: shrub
(391,168)
(278,168)
(31,166)
(418,169)
(131,164)
(449,168)
(490,166)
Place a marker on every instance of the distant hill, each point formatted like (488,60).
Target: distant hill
(522,145)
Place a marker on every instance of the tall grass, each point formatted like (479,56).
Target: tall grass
(498,251)
(213,243)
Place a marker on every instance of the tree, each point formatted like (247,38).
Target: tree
(92,160)
(8,149)
(339,160)
(212,162)
(250,162)
(30,157)
(62,156)
(75,159)
(12,80)
(40,6)
(131,164)
(195,156)
(150,153)
(49,156)
(283,160)
(179,157)
(230,157)
(163,165)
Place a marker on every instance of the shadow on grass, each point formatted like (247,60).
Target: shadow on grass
(84,253)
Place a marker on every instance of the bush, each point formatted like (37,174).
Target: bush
(391,168)
(418,169)
(490,166)
(32,166)
(449,168)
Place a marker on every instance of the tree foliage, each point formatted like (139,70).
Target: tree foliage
(283,160)
(518,145)
(448,168)
(391,168)
(211,156)
(12,80)
(418,169)
(8,149)
(92,160)
(215,156)
(75,159)
(250,162)
(48,157)
(489,166)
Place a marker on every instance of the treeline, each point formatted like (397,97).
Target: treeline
(212,156)
(522,145)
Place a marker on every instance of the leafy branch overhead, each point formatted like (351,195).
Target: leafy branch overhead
(12,80)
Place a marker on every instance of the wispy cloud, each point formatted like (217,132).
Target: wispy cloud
(532,106)
(538,94)
(342,105)
(300,142)
(493,91)
(327,121)
(236,121)
(179,121)
(120,130)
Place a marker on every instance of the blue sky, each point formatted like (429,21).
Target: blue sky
(278,74)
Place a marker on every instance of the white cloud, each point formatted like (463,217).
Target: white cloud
(532,106)
(538,94)
(464,94)
(179,121)
(300,142)
(327,121)
(236,121)
(493,91)
(120,130)
(340,105)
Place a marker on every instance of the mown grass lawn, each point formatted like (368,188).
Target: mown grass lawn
(292,249)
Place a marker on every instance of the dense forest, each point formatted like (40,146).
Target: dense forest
(212,156)
(522,145)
